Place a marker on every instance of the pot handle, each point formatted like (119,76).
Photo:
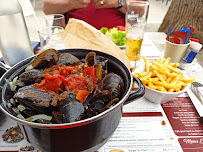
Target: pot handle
(138,94)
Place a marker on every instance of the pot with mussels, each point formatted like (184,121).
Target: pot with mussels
(68,100)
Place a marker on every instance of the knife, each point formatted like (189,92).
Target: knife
(198,105)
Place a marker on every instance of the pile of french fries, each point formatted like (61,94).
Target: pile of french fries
(163,76)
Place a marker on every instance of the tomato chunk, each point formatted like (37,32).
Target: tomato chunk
(91,72)
(51,82)
(82,95)
(120,28)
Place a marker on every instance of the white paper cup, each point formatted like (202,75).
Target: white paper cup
(175,51)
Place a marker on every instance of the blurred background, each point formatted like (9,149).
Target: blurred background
(158,9)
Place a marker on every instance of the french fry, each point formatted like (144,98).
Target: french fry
(188,80)
(150,85)
(171,90)
(163,76)
(162,71)
(160,65)
(177,89)
(173,69)
(146,64)
(160,88)
(177,79)
(147,76)
(140,75)
(137,75)
(167,60)
(153,67)
(168,80)
(165,85)
(159,75)
(175,65)
(158,61)
(172,74)
(153,79)
(163,60)
(145,81)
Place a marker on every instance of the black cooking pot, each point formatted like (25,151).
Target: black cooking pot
(85,135)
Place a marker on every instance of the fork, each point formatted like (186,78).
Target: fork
(197,84)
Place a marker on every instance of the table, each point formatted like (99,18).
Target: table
(158,38)
(146,126)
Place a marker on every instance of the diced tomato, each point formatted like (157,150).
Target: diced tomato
(41,84)
(53,84)
(82,95)
(66,70)
(75,82)
(51,77)
(120,28)
(91,72)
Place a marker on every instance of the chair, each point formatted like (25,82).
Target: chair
(28,10)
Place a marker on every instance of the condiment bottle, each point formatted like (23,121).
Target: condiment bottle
(191,52)
(15,43)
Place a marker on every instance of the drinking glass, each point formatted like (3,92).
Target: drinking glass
(136,21)
(51,37)
(55,20)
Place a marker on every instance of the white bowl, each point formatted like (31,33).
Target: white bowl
(160,96)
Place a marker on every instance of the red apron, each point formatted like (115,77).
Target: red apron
(105,17)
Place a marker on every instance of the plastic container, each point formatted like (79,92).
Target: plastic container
(175,51)
(191,52)
(194,40)
(15,43)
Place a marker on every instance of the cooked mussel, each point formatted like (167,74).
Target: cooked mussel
(90,58)
(113,83)
(36,98)
(103,61)
(97,103)
(31,76)
(69,107)
(44,60)
(68,59)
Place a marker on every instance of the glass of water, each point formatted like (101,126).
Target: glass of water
(51,37)
(55,20)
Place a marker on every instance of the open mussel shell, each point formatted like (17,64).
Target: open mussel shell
(44,60)
(68,59)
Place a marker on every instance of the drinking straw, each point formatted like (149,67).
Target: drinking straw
(171,30)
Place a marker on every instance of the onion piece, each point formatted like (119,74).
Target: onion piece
(40,116)
(21,107)
(20,117)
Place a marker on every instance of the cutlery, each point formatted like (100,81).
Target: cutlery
(197,104)
(197,89)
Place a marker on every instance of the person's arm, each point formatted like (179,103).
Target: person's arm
(63,6)
(111,4)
